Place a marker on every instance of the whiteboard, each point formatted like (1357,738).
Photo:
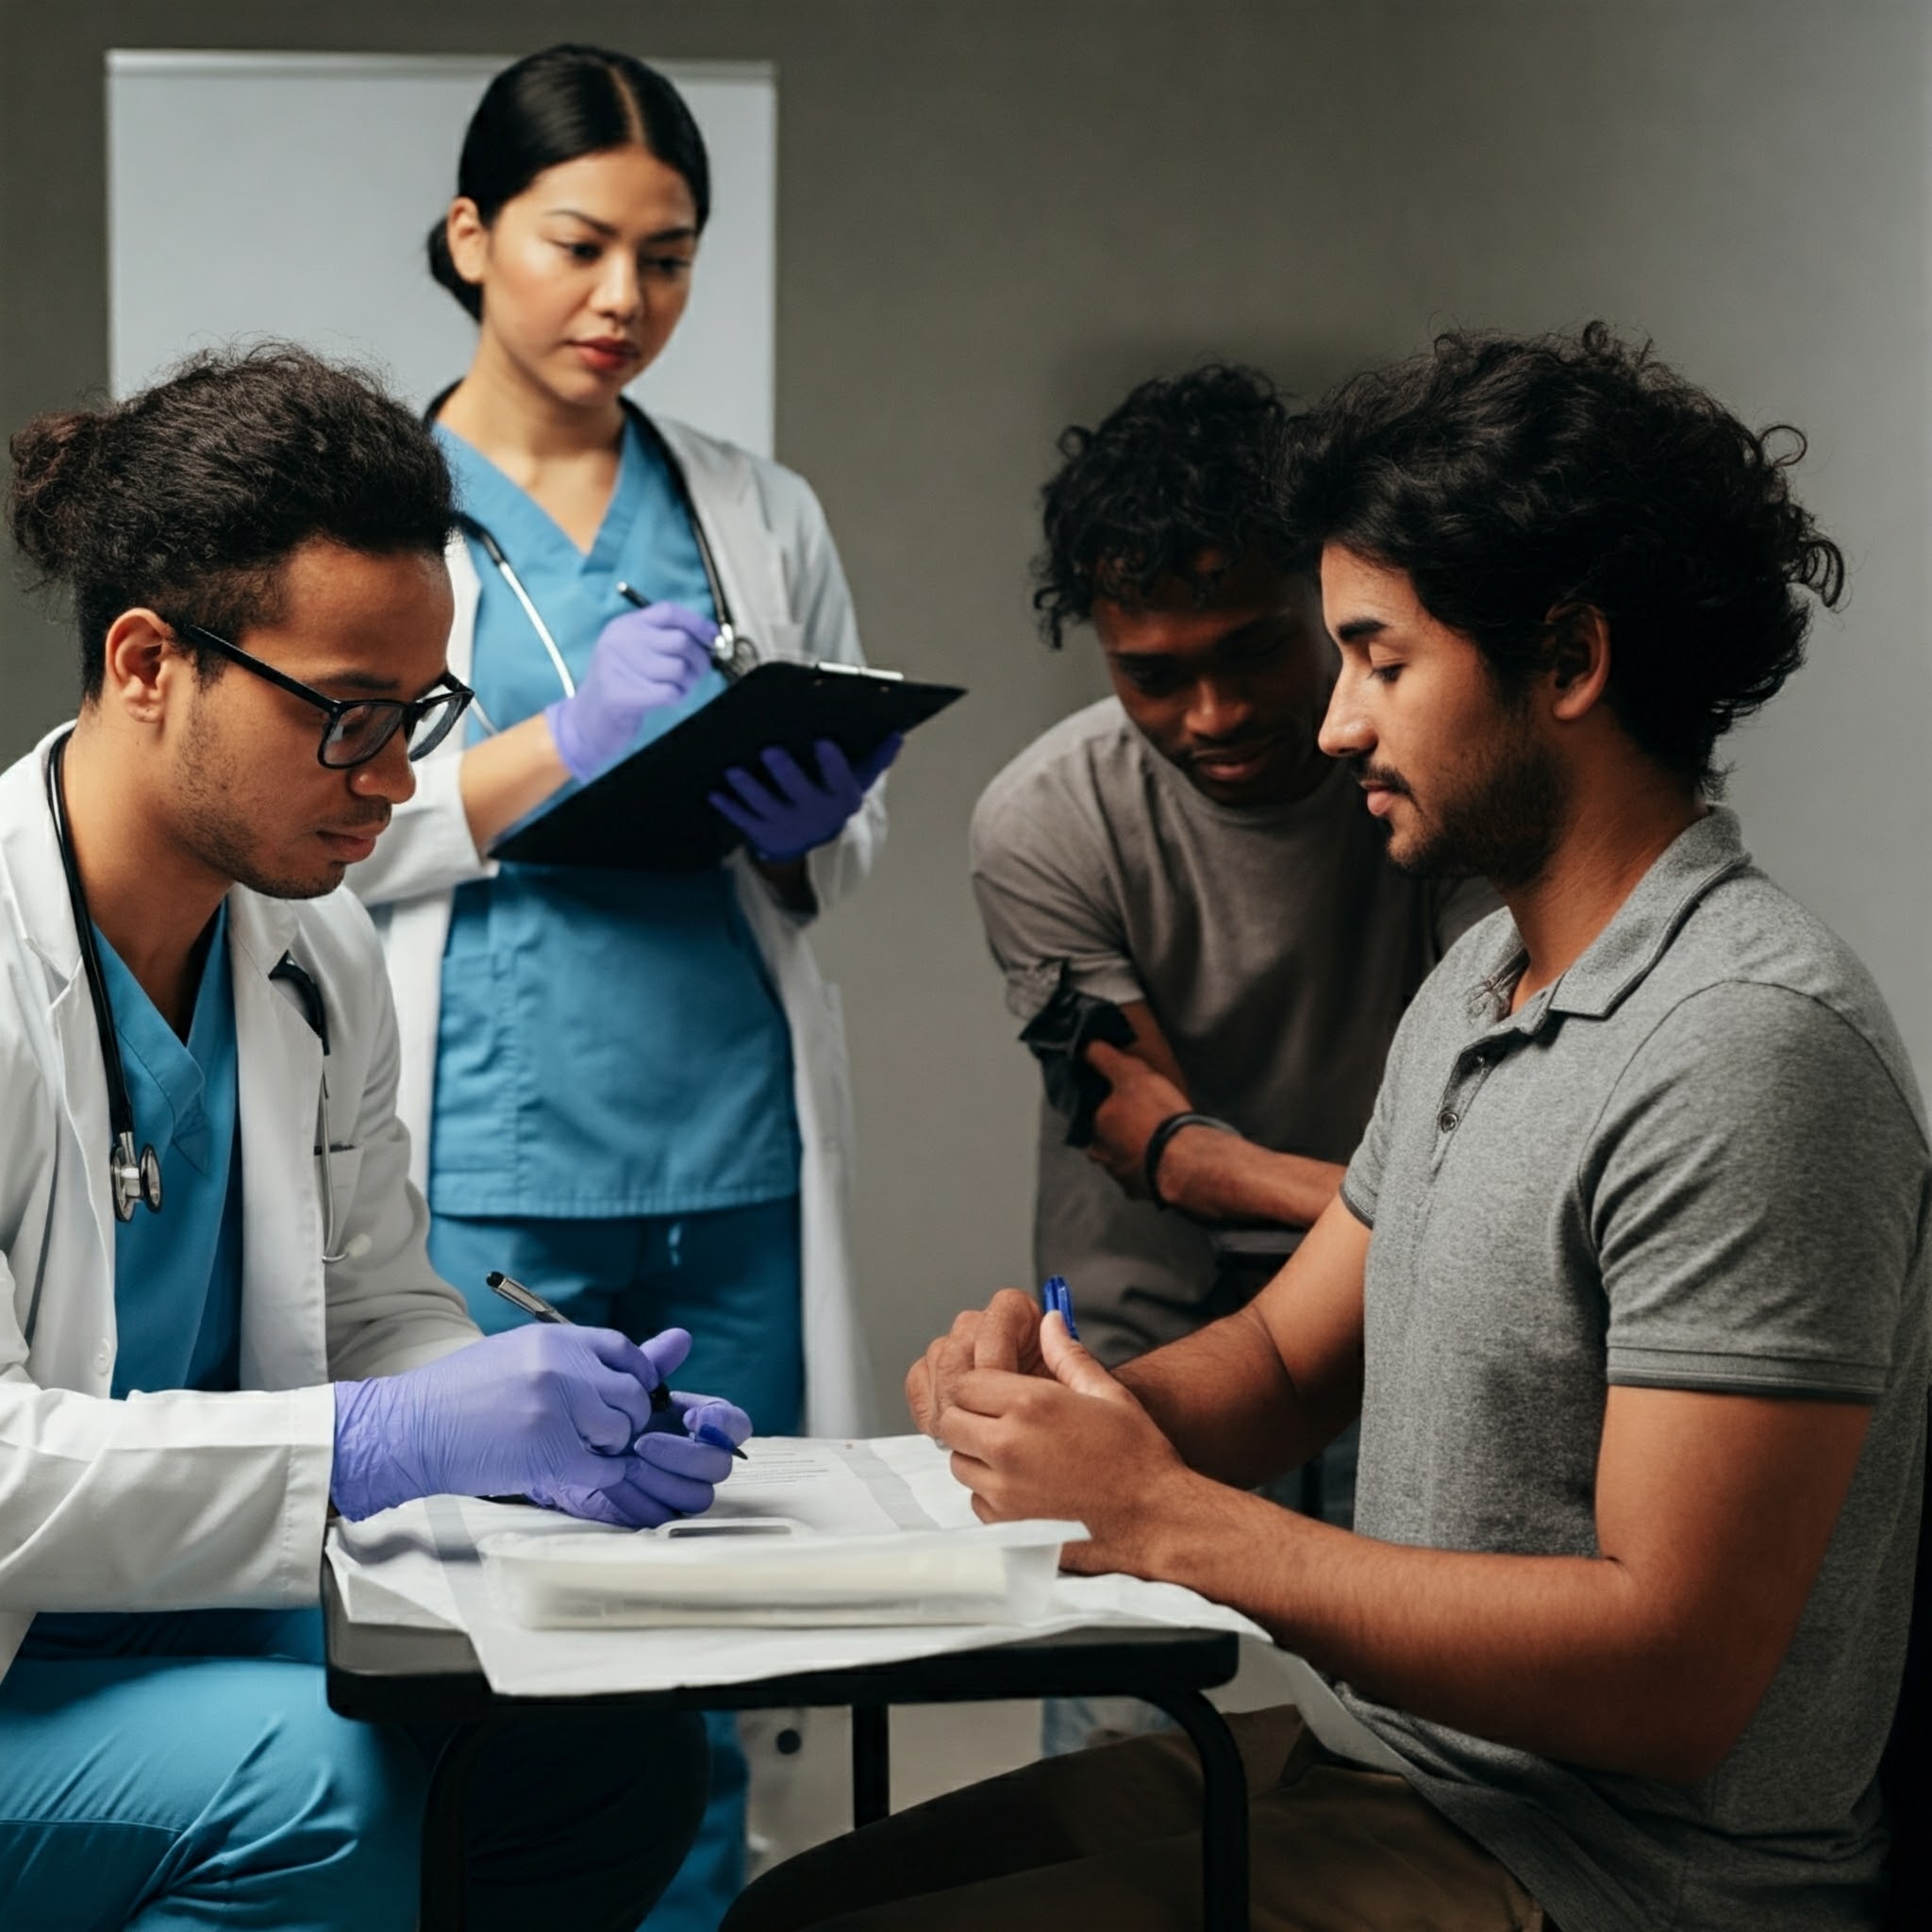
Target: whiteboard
(288,195)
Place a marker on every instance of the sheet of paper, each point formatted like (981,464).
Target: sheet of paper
(820,1484)
(424,1557)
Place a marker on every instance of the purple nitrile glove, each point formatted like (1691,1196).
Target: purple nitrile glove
(790,814)
(676,1465)
(642,660)
(548,1405)
(711,1419)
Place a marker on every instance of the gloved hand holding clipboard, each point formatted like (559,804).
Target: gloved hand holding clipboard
(653,810)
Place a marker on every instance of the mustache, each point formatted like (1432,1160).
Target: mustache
(361,828)
(1385,776)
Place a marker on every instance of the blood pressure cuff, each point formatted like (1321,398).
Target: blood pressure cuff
(1057,1036)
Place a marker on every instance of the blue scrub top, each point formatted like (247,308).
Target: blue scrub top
(178,1275)
(609,1043)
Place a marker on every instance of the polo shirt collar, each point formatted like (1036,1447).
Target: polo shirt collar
(1642,927)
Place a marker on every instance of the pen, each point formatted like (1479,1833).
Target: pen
(533,1304)
(1056,1298)
(722,650)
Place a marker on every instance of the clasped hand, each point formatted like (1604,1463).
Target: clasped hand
(1038,1428)
(560,1414)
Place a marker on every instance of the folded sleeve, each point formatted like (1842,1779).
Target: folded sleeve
(1042,887)
(1362,1185)
(1756,1193)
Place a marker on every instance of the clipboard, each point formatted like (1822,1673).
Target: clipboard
(652,812)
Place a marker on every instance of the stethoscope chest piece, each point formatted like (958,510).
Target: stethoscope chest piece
(137,1177)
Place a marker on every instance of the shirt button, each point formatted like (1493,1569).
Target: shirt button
(102,1357)
(1447,1119)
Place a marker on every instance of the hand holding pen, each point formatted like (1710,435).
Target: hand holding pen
(730,655)
(642,661)
(716,1428)
(1056,1298)
(1006,1335)
(561,1414)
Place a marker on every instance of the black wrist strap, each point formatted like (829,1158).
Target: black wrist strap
(1157,1146)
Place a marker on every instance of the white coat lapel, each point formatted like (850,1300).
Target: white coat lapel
(84,1108)
(462,657)
(33,868)
(283,1340)
(749,563)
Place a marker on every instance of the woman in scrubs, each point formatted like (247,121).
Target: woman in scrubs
(630,1087)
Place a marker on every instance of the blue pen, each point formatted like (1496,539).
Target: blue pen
(533,1303)
(1056,1298)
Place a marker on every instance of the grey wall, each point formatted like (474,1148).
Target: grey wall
(996,213)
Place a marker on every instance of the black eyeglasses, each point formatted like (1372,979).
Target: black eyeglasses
(357,728)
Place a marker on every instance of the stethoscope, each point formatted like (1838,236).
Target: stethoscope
(136,1176)
(732,653)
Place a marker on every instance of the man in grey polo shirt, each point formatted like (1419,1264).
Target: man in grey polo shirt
(1627,1279)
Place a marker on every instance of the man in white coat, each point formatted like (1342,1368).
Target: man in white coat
(217,1318)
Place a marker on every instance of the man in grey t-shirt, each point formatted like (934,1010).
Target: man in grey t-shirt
(1628,1278)
(1184,851)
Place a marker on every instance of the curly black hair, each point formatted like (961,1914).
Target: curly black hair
(189,497)
(1520,481)
(1178,483)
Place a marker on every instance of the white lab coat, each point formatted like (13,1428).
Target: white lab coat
(786,591)
(180,1500)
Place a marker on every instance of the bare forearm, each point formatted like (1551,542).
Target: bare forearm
(1225,1400)
(1217,1176)
(1550,1653)
(1264,1389)
(509,776)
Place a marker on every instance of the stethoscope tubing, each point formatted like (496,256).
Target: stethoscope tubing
(470,527)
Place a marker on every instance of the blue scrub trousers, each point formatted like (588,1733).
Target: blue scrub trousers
(193,1776)
(731,1276)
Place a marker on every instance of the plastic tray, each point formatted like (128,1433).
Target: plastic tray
(772,1573)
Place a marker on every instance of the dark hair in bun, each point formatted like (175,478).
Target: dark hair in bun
(553,107)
